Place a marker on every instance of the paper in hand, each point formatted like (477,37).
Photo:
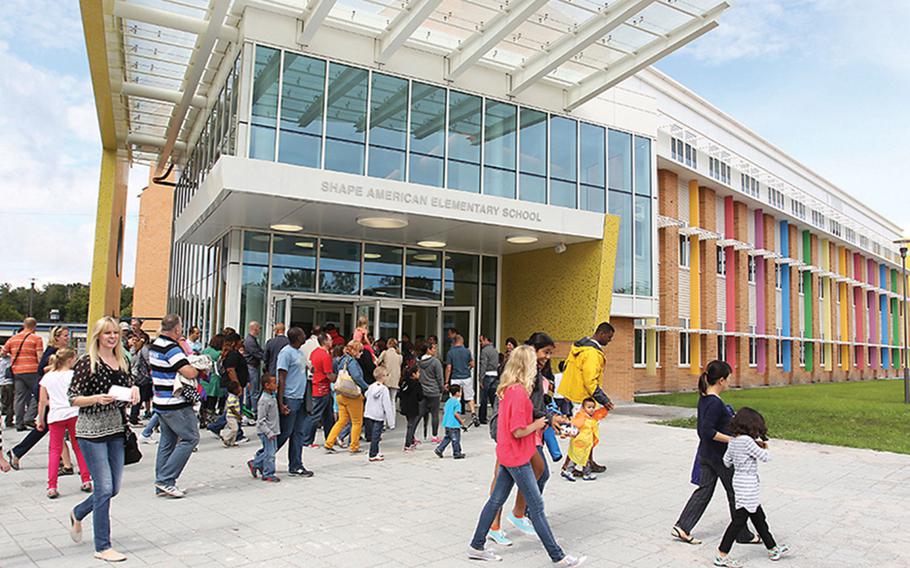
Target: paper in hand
(124,394)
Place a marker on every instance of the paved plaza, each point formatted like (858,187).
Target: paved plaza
(836,507)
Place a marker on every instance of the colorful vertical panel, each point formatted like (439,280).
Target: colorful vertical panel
(730,293)
(694,281)
(786,344)
(808,302)
(760,324)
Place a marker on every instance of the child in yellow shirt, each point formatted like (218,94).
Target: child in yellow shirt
(587,422)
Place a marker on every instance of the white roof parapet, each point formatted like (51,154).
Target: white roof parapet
(571,44)
(401,28)
(486,39)
(315,13)
(598,82)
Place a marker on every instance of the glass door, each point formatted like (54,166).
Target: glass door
(389,324)
(366,309)
(279,312)
(462,320)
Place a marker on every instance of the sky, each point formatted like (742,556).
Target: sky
(825,80)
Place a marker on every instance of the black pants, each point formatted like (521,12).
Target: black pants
(413,421)
(429,407)
(7,395)
(698,502)
(488,386)
(31,439)
(738,523)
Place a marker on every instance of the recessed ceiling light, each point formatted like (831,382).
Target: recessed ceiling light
(382,222)
(261,238)
(425,257)
(431,244)
(372,255)
(305,244)
(286,227)
(522,239)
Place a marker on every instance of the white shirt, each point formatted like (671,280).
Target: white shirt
(57,383)
(307,349)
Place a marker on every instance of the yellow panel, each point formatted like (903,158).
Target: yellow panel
(651,348)
(566,294)
(107,261)
(93,19)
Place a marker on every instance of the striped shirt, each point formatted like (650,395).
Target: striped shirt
(166,357)
(744,454)
(24,362)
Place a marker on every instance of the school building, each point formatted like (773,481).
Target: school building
(498,167)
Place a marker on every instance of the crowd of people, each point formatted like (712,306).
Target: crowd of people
(299,383)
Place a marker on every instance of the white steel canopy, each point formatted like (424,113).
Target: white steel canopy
(164,56)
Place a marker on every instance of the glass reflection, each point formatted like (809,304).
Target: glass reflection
(462,277)
(294,263)
(620,161)
(302,103)
(345,134)
(265,103)
(339,267)
(388,127)
(642,166)
(532,161)
(621,205)
(423,275)
(563,164)
(643,251)
(499,149)
(428,119)
(464,142)
(593,166)
(382,268)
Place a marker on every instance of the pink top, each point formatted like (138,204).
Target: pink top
(515,411)
(359,334)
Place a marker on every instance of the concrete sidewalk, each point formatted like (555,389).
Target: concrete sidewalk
(836,507)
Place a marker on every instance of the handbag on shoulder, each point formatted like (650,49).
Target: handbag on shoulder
(345,384)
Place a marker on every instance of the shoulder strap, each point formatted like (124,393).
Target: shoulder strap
(21,345)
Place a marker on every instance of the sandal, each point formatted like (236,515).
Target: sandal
(52,494)
(680,535)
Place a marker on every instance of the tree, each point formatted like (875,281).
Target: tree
(71,300)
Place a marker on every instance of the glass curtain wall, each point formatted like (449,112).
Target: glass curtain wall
(346,112)
(643,205)
(294,263)
(500,125)
(428,135)
(339,267)
(532,161)
(593,168)
(264,112)
(382,271)
(563,161)
(462,279)
(302,103)
(489,280)
(254,281)
(423,275)
(620,184)
(464,142)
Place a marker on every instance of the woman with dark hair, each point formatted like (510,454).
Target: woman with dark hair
(714,435)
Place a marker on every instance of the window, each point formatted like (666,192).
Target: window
(428,136)
(593,167)
(719,170)
(684,153)
(840,355)
(864,242)
(294,263)
(749,185)
(684,251)
(751,269)
(339,267)
(684,349)
(499,149)
(822,352)
(835,228)
(850,235)
(462,273)
(489,276)
(753,349)
(563,161)
(777,278)
(802,351)
(382,271)
(532,159)
(423,275)
(798,209)
(818,219)
(876,248)
(464,142)
(800,285)
(780,352)
(388,127)
(856,354)
(643,204)
(722,343)
(346,113)
(821,289)
(641,348)
(265,103)
(775,198)
(302,101)
(721,262)
(254,283)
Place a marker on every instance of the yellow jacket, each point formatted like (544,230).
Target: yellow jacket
(584,371)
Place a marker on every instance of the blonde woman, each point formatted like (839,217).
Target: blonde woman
(100,429)
(390,360)
(349,409)
(514,448)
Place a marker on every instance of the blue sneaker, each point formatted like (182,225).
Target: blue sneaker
(499,537)
(521,523)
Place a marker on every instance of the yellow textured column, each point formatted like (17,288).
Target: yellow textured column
(694,281)
(107,260)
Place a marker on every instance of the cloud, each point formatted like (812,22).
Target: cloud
(42,24)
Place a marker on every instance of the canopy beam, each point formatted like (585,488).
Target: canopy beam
(403,26)
(315,13)
(174,21)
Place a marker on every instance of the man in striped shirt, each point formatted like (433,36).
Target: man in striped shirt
(179,427)
(24,350)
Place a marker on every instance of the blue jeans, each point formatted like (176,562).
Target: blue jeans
(373,430)
(322,413)
(253,390)
(179,435)
(292,427)
(488,384)
(453,436)
(264,460)
(105,461)
(523,476)
(150,427)
(218,424)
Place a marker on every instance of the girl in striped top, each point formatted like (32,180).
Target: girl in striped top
(746,448)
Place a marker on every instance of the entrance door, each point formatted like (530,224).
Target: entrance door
(462,319)
(388,323)
(279,312)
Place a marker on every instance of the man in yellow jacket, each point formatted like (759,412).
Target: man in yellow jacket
(583,374)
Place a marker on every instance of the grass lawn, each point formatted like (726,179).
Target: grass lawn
(868,414)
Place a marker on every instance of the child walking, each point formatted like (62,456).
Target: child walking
(587,421)
(745,450)
(410,395)
(453,423)
(378,412)
(234,415)
(61,418)
(268,427)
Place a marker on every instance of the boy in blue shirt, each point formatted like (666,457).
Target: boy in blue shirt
(453,423)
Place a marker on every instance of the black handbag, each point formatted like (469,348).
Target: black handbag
(131,453)
(8,374)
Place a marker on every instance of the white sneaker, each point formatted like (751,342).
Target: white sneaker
(484,555)
(110,555)
(169,490)
(569,561)
(146,439)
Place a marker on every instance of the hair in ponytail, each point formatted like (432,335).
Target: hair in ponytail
(56,361)
(714,372)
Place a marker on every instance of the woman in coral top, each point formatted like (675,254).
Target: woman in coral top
(514,448)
